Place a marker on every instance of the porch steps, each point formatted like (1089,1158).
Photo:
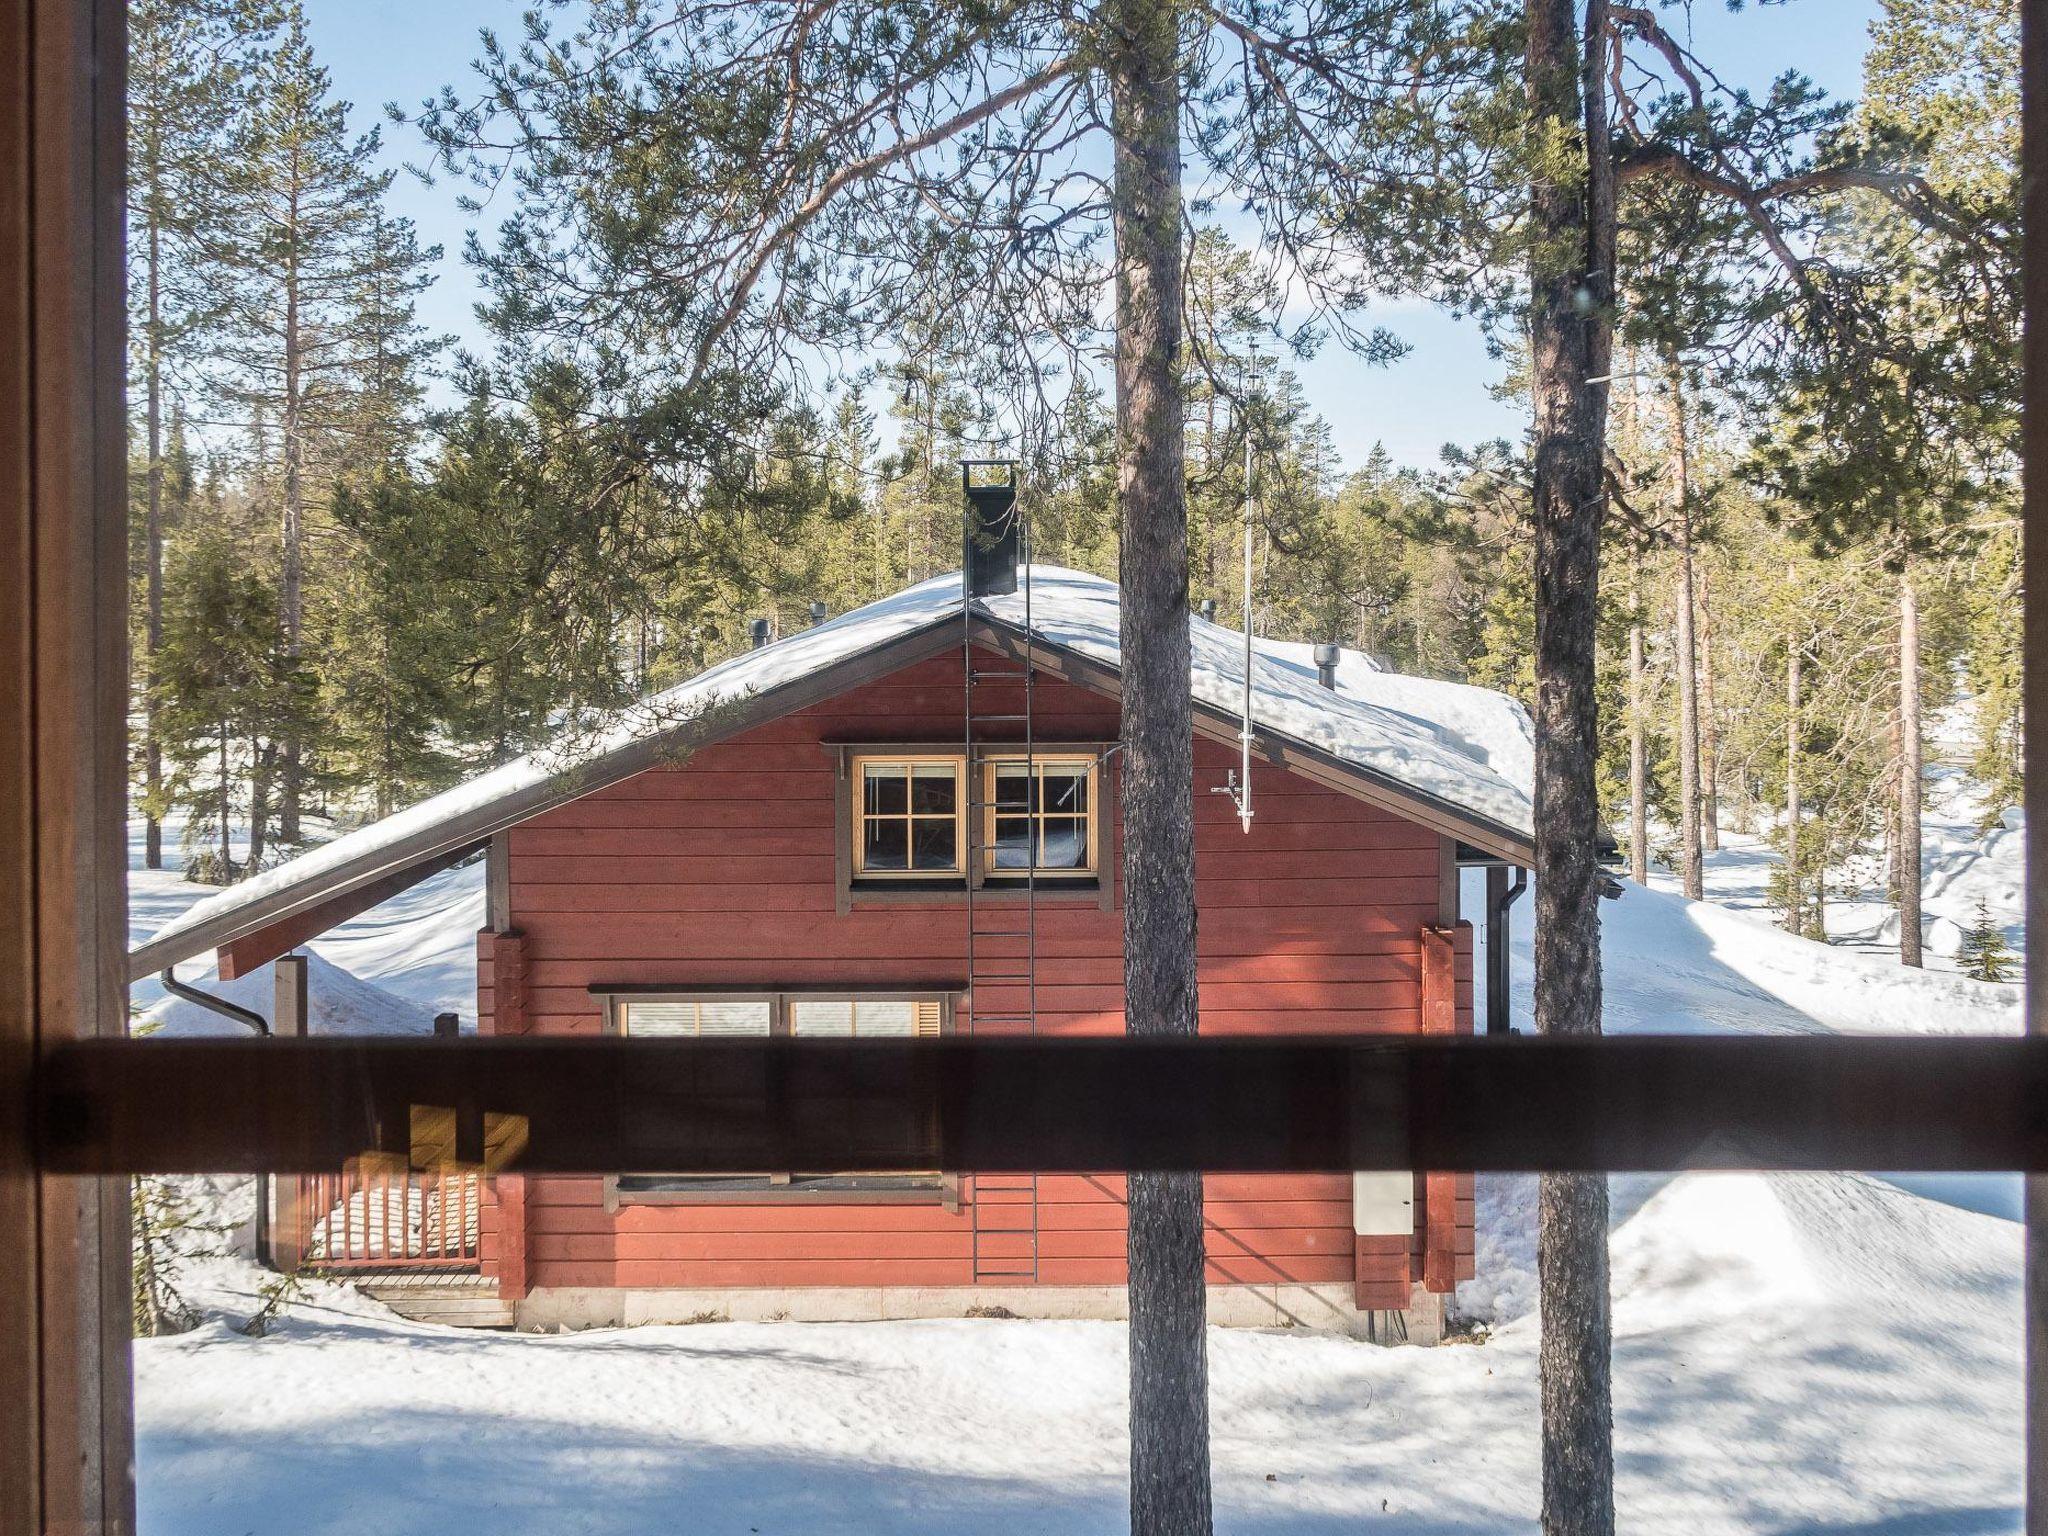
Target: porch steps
(458,1301)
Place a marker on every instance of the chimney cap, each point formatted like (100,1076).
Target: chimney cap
(818,612)
(758,632)
(1327,657)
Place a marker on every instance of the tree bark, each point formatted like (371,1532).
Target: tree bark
(153,545)
(291,530)
(1571,346)
(1686,661)
(1170,1486)
(1795,911)
(1910,766)
(1638,747)
(1710,727)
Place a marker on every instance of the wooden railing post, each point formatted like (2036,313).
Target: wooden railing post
(288,1021)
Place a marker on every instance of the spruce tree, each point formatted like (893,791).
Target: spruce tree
(1984,955)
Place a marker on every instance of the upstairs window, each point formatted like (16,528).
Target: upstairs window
(911,821)
(1041,816)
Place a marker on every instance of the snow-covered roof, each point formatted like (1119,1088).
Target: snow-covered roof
(1450,744)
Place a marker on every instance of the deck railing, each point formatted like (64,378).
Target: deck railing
(384,1219)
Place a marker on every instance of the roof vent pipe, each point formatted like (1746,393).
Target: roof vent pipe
(818,612)
(1209,609)
(1326,664)
(757,632)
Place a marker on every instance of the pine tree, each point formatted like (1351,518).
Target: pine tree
(187,67)
(1983,954)
(306,213)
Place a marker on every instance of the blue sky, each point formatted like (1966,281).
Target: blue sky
(406,50)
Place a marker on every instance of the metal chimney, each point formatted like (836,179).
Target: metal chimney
(993,536)
(1326,664)
(757,632)
(818,612)
(1209,609)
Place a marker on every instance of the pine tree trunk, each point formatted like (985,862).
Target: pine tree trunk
(1571,345)
(1170,1490)
(1638,746)
(1710,728)
(1686,660)
(1910,767)
(153,555)
(292,535)
(1795,911)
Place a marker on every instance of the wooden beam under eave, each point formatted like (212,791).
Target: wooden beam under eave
(240,956)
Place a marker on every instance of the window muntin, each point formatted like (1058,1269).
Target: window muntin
(1040,817)
(910,820)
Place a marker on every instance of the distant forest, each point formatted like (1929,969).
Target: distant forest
(346,600)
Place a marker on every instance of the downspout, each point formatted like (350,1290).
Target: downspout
(1500,896)
(255,1021)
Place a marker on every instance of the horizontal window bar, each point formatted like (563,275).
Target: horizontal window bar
(600,1104)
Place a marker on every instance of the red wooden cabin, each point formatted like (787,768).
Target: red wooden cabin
(834,848)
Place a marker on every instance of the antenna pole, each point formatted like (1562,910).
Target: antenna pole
(1244,797)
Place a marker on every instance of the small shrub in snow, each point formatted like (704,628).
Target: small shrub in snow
(1983,953)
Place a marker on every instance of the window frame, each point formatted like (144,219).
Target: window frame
(851,888)
(856,786)
(989,764)
(937,1187)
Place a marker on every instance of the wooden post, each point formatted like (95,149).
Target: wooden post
(1439,1190)
(288,1021)
(66,1445)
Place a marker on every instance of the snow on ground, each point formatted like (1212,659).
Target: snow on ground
(1815,1353)
(1794,1353)
(1961,863)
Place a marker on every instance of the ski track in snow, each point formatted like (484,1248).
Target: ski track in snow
(1815,1353)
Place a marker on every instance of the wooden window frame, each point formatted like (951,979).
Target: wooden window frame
(992,761)
(1096,887)
(943,1187)
(857,804)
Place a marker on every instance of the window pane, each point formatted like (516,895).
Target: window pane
(934,789)
(821,1016)
(886,790)
(885,845)
(1065,791)
(885,1018)
(1011,793)
(750,1016)
(1066,844)
(1013,843)
(741,1016)
(661,1018)
(933,842)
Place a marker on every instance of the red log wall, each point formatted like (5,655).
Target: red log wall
(719,872)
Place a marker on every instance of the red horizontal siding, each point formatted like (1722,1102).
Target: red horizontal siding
(719,871)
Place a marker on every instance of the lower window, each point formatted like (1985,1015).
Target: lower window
(806,1015)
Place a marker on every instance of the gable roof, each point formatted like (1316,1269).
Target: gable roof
(1390,752)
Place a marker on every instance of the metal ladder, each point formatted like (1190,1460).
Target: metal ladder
(1005,1206)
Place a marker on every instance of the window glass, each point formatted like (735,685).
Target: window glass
(910,818)
(729,1017)
(1040,816)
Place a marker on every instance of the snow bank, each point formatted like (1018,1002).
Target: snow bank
(337,1002)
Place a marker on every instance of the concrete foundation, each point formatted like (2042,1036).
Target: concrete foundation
(1325,1308)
